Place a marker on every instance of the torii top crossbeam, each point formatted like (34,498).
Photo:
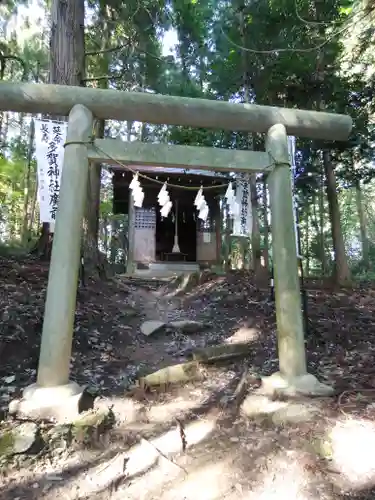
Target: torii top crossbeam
(170,110)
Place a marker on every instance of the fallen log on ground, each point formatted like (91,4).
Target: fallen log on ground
(222,352)
(191,370)
(174,374)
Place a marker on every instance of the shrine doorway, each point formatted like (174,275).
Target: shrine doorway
(187,235)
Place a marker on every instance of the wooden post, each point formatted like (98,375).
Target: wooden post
(55,352)
(290,333)
(218,225)
(131,235)
(176,247)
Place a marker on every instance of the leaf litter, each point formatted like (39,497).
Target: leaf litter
(192,440)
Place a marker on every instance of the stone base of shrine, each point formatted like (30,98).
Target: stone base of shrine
(304,385)
(167,269)
(61,404)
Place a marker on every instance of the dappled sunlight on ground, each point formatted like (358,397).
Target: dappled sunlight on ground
(208,482)
(243,334)
(152,459)
(130,409)
(194,287)
(353,451)
(160,413)
(196,432)
(155,412)
(206,287)
(164,411)
(284,478)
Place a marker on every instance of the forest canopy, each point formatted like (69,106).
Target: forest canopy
(294,53)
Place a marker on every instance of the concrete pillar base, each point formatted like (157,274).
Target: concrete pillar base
(303,385)
(62,403)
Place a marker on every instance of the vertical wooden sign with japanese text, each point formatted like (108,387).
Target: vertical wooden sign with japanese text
(50,137)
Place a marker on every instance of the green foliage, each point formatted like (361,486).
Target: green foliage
(13,249)
(123,43)
(265,51)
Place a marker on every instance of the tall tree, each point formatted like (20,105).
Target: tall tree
(67,61)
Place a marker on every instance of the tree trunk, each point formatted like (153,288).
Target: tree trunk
(227,265)
(255,234)
(315,224)
(265,224)
(114,240)
(362,224)
(67,56)
(4,131)
(307,246)
(246,260)
(321,227)
(2,140)
(10,216)
(26,190)
(94,260)
(32,209)
(67,64)
(94,263)
(255,237)
(342,272)
(105,235)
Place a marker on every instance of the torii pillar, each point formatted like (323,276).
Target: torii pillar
(292,377)
(54,395)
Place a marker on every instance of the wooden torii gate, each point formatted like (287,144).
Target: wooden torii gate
(53,392)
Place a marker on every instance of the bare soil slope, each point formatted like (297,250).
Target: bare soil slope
(201,440)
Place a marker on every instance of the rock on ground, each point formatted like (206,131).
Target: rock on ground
(19,439)
(151,326)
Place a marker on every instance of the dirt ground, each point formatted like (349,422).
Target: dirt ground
(195,441)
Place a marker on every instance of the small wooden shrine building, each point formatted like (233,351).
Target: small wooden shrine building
(181,237)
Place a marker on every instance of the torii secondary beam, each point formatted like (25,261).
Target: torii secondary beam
(114,151)
(171,110)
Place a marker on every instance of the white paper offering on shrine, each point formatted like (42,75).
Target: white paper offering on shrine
(201,205)
(233,205)
(50,137)
(198,198)
(165,209)
(203,212)
(164,201)
(137,191)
